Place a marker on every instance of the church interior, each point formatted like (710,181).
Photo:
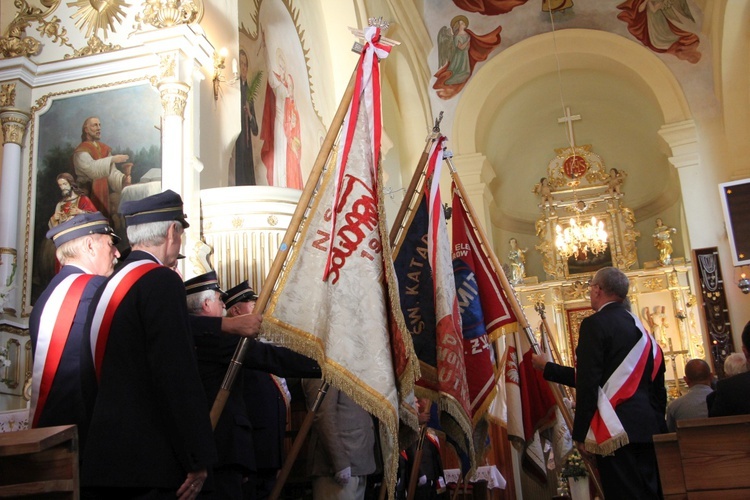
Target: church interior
(555,111)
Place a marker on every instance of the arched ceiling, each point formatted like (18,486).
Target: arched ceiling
(509,113)
(618,119)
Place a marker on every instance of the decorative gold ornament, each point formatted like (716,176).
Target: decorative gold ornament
(7,95)
(15,43)
(14,123)
(94,46)
(166,13)
(93,15)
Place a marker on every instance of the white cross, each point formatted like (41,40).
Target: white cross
(569,119)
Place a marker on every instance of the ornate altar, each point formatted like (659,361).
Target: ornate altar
(578,187)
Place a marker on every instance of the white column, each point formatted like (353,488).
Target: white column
(476,174)
(173,98)
(14,123)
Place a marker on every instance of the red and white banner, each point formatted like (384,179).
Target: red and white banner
(350,321)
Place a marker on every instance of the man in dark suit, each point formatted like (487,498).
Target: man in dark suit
(150,433)
(731,393)
(239,456)
(86,249)
(615,355)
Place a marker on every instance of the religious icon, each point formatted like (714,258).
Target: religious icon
(575,166)
(459,50)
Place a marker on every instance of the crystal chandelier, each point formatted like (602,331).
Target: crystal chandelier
(581,238)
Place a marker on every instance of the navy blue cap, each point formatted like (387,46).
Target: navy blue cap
(241,293)
(81,225)
(207,281)
(166,206)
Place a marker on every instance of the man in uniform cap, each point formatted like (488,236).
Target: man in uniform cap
(85,246)
(150,432)
(235,434)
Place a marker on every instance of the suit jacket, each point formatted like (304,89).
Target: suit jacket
(560,374)
(234,433)
(343,434)
(150,425)
(605,339)
(731,396)
(266,406)
(65,404)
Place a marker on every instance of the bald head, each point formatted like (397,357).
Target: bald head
(697,371)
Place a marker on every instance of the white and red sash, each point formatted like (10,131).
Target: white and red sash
(114,291)
(606,433)
(283,389)
(54,329)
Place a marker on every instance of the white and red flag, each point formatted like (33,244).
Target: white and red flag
(337,300)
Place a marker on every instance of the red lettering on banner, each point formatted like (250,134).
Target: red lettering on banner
(321,243)
(360,221)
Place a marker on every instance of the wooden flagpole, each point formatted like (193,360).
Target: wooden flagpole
(417,461)
(511,294)
(417,180)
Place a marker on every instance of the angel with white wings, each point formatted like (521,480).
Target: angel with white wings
(459,49)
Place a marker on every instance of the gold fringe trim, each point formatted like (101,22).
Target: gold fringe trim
(609,446)
(459,426)
(411,372)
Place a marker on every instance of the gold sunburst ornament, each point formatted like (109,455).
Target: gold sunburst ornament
(93,15)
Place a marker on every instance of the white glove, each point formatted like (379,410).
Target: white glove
(422,480)
(343,476)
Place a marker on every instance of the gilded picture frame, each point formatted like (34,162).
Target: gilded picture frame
(130,117)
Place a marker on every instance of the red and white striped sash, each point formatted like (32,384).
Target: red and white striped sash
(54,329)
(114,291)
(606,433)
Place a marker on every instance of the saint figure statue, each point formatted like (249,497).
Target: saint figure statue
(517,257)
(663,241)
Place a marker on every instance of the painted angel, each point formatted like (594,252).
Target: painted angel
(664,26)
(459,49)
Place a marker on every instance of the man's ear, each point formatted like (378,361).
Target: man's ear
(90,245)
(747,353)
(204,305)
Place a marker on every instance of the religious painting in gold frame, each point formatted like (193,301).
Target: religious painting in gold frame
(130,117)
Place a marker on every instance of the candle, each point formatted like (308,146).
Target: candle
(234,66)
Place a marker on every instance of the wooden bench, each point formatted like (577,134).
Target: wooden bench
(706,458)
(40,462)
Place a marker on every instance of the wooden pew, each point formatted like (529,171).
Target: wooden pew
(706,458)
(38,462)
(670,466)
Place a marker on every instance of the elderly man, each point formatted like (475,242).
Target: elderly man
(150,434)
(693,404)
(234,433)
(616,356)
(85,248)
(266,395)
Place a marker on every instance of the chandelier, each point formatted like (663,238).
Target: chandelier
(581,238)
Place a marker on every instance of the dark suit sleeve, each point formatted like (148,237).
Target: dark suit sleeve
(560,374)
(280,361)
(590,369)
